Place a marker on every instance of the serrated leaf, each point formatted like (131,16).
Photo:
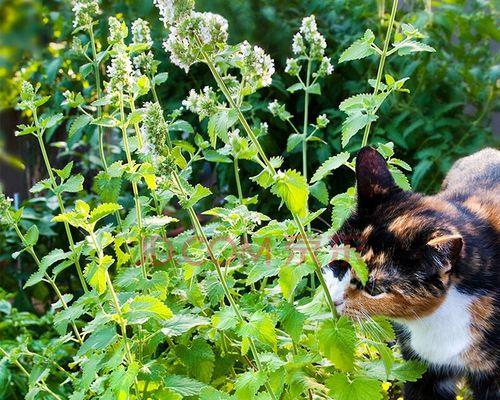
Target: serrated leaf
(144,307)
(330,165)
(198,193)
(291,320)
(107,187)
(248,384)
(78,123)
(31,236)
(73,185)
(96,271)
(412,46)
(294,140)
(295,87)
(102,211)
(359,388)
(198,358)
(183,385)
(356,103)
(292,188)
(320,192)
(337,342)
(160,78)
(354,123)
(400,178)
(343,206)
(45,263)
(179,324)
(260,326)
(224,319)
(219,125)
(100,339)
(359,49)
(51,121)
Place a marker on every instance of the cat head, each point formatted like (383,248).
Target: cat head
(407,240)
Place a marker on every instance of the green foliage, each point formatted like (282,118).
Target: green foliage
(139,304)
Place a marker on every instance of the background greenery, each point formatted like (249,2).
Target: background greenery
(446,115)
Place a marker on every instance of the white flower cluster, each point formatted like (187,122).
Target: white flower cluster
(154,130)
(141,33)
(172,11)
(85,11)
(204,103)
(210,30)
(310,43)
(122,75)
(5,205)
(257,67)
(118,31)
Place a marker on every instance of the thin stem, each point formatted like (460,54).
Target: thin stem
(240,192)
(382,64)
(317,266)
(53,182)
(153,89)
(135,190)
(98,93)
(304,128)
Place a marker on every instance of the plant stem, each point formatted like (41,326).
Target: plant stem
(266,162)
(98,92)
(53,183)
(381,65)
(240,192)
(304,129)
(135,190)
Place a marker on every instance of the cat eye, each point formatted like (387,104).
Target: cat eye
(374,290)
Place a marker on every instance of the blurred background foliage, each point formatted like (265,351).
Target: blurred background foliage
(447,114)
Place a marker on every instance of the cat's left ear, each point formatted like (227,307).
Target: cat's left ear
(374,180)
(449,245)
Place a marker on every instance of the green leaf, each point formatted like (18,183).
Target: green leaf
(359,388)
(400,178)
(179,324)
(330,165)
(144,307)
(210,393)
(181,125)
(4,378)
(224,319)
(160,78)
(314,89)
(295,87)
(400,163)
(359,49)
(355,260)
(292,188)
(320,192)
(198,358)
(219,125)
(78,123)
(216,157)
(183,385)
(263,269)
(294,140)
(41,185)
(47,261)
(100,339)
(102,211)
(408,371)
(73,185)
(412,46)
(337,342)
(199,193)
(291,320)
(31,237)
(354,123)
(51,121)
(343,206)
(65,316)
(95,272)
(356,103)
(290,277)
(260,326)
(65,172)
(107,187)
(248,384)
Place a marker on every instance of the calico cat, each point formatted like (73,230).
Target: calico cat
(433,269)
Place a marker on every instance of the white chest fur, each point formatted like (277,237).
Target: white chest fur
(443,336)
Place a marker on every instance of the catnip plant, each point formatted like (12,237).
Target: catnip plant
(223,310)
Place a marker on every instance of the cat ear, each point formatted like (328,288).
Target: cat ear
(450,245)
(374,179)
